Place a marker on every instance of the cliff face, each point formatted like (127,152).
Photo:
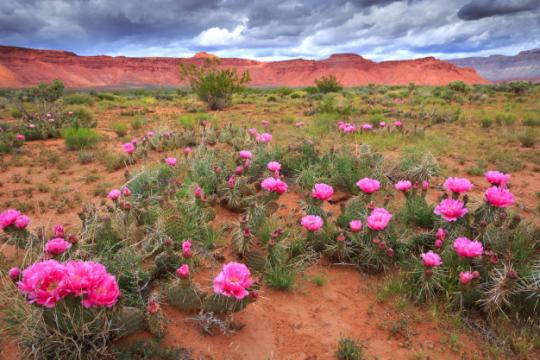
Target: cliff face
(523,66)
(21,67)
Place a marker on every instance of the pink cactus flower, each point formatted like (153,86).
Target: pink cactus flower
(367,127)
(355,225)
(299,124)
(398,123)
(264,138)
(273,166)
(457,185)
(186,249)
(253,132)
(58,231)
(114,194)
(497,178)
(247,164)
(431,259)
(245,154)
(322,192)
(129,148)
(20,137)
(31,126)
(57,246)
(466,277)
(499,197)
(238,170)
(265,123)
(134,141)
(21,222)
(14,273)
(425,185)
(187,150)
(312,222)
(450,209)
(403,185)
(368,186)
(150,134)
(170,161)
(441,234)
(274,185)
(379,219)
(126,191)
(152,307)
(183,271)
(234,280)
(8,217)
(467,248)
(83,275)
(382,124)
(198,192)
(44,283)
(438,243)
(231,182)
(104,293)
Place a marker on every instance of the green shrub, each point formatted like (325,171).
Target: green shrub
(212,85)
(528,138)
(9,142)
(486,121)
(120,129)
(328,84)
(78,99)
(80,138)
(80,117)
(187,121)
(280,276)
(271,98)
(458,86)
(505,119)
(85,157)
(16,113)
(348,349)
(531,120)
(138,122)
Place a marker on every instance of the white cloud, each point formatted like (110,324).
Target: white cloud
(216,36)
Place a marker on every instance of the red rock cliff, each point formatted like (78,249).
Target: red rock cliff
(20,67)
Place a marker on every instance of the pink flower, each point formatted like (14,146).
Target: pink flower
(355,225)
(234,280)
(44,283)
(247,164)
(231,182)
(441,234)
(299,124)
(312,222)
(186,249)
(273,166)
(264,138)
(438,243)
(198,192)
(467,248)
(239,170)
(252,132)
(57,246)
(150,134)
(22,222)
(425,185)
(105,292)
(20,137)
(379,219)
(382,124)
(183,271)
(187,150)
(497,178)
(126,191)
(403,185)
(457,185)
(451,209)
(152,307)
(274,185)
(322,191)
(431,259)
(499,197)
(8,217)
(129,148)
(58,230)
(114,194)
(265,123)
(170,161)
(32,126)
(397,123)
(83,276)
(134,141)
(367,127)
(466,277)
(14,273)
(245,154)
(368,185)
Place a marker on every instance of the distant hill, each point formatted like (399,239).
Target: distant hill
(21,67)
(498,68)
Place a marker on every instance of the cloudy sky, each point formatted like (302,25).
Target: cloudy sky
(274,29)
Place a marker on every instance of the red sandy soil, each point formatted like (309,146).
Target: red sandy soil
(20,67)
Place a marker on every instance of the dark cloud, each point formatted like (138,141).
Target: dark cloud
(486,8)
(272,29)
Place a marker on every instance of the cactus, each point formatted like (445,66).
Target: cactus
(128,321)
(185,297)
(256,261)
(222,305)
(166,262)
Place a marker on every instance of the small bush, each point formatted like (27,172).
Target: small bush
(280,277)
(348,349)
(486,121)
(187,121)
(120,129)
(16,113)
(328,84)
(80,138)
(138,122)
(528,138)
(531,120)
(81,117)
(505,119)
(85,157)
(78,99)
(271,98)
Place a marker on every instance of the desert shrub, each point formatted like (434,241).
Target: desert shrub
(505,119)
(519,87)
(187,121)
(79,116)
(531,120)
(528,138)
(328,84)
(348,349)
(16,113)
(112,161)
(78,99)
(212,85)
(120,129)
(80,138)
(327,104)
(280,276)
(296,95)
(311,90)
(9,142)
(458,86)
(85,157)
(138,122)
(271,98)
(486,121)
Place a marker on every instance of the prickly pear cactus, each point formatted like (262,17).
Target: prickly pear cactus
(166,262)
(256,261)
(128,321)
(221,305)
(185,297)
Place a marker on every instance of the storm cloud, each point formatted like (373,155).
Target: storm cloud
(279,29)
